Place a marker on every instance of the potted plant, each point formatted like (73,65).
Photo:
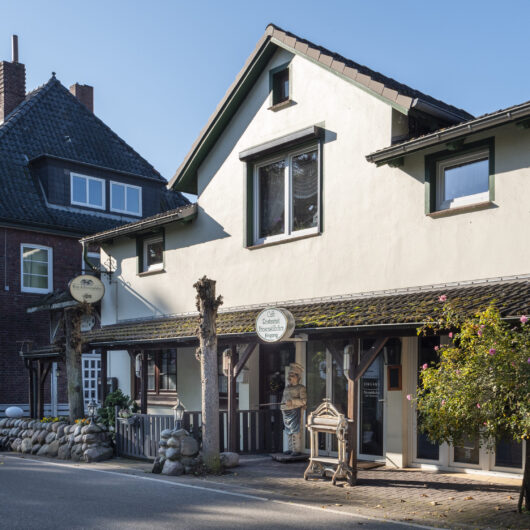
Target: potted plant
(127,417)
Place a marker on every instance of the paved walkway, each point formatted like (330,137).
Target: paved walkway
(411,496)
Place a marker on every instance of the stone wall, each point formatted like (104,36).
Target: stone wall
(77,442)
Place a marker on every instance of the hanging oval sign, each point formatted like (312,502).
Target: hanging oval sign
(274,324)
(87,288)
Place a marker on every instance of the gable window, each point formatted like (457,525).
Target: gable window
(280,87)
(87,191)
(36,269)
(162,372)
(125,198)
(462,179)
(286,201)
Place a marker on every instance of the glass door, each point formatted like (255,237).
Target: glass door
(371,407)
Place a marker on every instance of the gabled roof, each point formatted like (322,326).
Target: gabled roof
(394,93)
(515,113)
(363,312)
(51,122)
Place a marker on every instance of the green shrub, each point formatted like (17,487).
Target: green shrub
(113,400)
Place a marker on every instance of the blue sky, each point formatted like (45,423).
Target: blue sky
(160,67)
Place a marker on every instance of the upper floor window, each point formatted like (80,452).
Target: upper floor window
(280,86)
(125,198)
(87,191)
(462,180)
(286,201)
(153,254)
(36,269)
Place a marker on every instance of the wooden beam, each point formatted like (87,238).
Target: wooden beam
(232,403)
(143,384)
(353,412)
(32,408)
(368,358)
(103,376)
(40,391)
(244,358)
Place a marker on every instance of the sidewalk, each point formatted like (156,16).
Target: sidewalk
(417,497)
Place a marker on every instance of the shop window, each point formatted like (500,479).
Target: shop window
(87,191)
(460,178)
(509,453)
(36,269)
(162,372)
(125,198)
(286,201)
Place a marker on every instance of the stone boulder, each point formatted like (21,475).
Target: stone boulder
(189,446)
(64,452)
(165,434)
(26,445)
(172,468)
(173,442)
(229,459)
(35,449)
(53,448)
(43,451)
(172,453)
(42,437)
(50,437)
(98,453)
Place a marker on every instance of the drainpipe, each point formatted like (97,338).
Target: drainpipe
(85,259)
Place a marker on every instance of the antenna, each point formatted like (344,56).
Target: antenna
(14,48)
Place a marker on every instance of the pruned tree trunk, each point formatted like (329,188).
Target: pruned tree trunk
(207,305)
(72,327)
(525,486)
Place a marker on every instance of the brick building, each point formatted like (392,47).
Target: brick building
(63,174)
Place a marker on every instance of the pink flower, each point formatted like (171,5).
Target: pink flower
(485,423)
(425,366)
(443,401)
(457,372)
(528,361)
(479,333)
(482,326)
(436,348)
(443,298)
(513,364)
(409,397)
(450,334)
(493,351)
(524,319)
(478,405)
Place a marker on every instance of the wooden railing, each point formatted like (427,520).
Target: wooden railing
(258,431)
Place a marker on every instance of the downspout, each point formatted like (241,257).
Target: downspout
(85,259)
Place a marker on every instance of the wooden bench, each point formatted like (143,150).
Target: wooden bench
(327,419)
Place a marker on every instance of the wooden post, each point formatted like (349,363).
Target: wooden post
(40,390)
(353,389)
(103,376)
(233,445)
(207,305)
(143,384)
(32,408)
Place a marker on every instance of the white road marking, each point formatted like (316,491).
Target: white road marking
(230,493)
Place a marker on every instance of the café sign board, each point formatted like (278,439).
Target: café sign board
(87,288)
(274,324)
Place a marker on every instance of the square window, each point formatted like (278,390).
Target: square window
(87,191)
(151,257)
(36,269)
(287,196)
(125,198)
(457,179)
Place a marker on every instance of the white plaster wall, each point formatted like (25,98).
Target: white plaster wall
(375,232)
(189,379)
(119,365)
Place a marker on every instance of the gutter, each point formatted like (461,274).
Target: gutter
(438,112)
(476,125)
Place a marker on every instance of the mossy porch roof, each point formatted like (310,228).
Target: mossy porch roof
(364,311)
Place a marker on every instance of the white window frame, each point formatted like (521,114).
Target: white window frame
(155,266)
(443,165)
(288,233)
(87,179)
(125,186)
(39,290)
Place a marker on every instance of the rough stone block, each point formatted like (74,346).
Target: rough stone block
(173,442)
(26,445)
(172,453)
(35,449)
(165,434)
(50,437)
(64,452)
(229,459)
(53,448)
(43,451)
(172,468)
(189,446)
(97,453)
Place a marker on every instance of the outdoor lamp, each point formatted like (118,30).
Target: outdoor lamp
(92,408)
(178,413)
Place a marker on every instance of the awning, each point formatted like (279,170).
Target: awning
(396,310)
(51,352)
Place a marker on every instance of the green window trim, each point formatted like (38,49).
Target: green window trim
(140,251)
(432,160)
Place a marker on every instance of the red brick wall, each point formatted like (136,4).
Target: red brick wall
(15,323)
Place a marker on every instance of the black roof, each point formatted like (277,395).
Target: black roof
(52,122)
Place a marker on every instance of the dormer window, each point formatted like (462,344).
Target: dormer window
(125,198)
(87,191)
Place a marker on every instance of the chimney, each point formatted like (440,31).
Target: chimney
(85,94)
(12,83)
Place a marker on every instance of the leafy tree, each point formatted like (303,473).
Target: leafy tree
(481,386)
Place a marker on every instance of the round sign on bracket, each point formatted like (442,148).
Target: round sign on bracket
(274,324)
(87,288)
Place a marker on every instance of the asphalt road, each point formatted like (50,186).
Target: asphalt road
(45,495)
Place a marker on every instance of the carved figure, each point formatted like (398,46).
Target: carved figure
(294,401)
